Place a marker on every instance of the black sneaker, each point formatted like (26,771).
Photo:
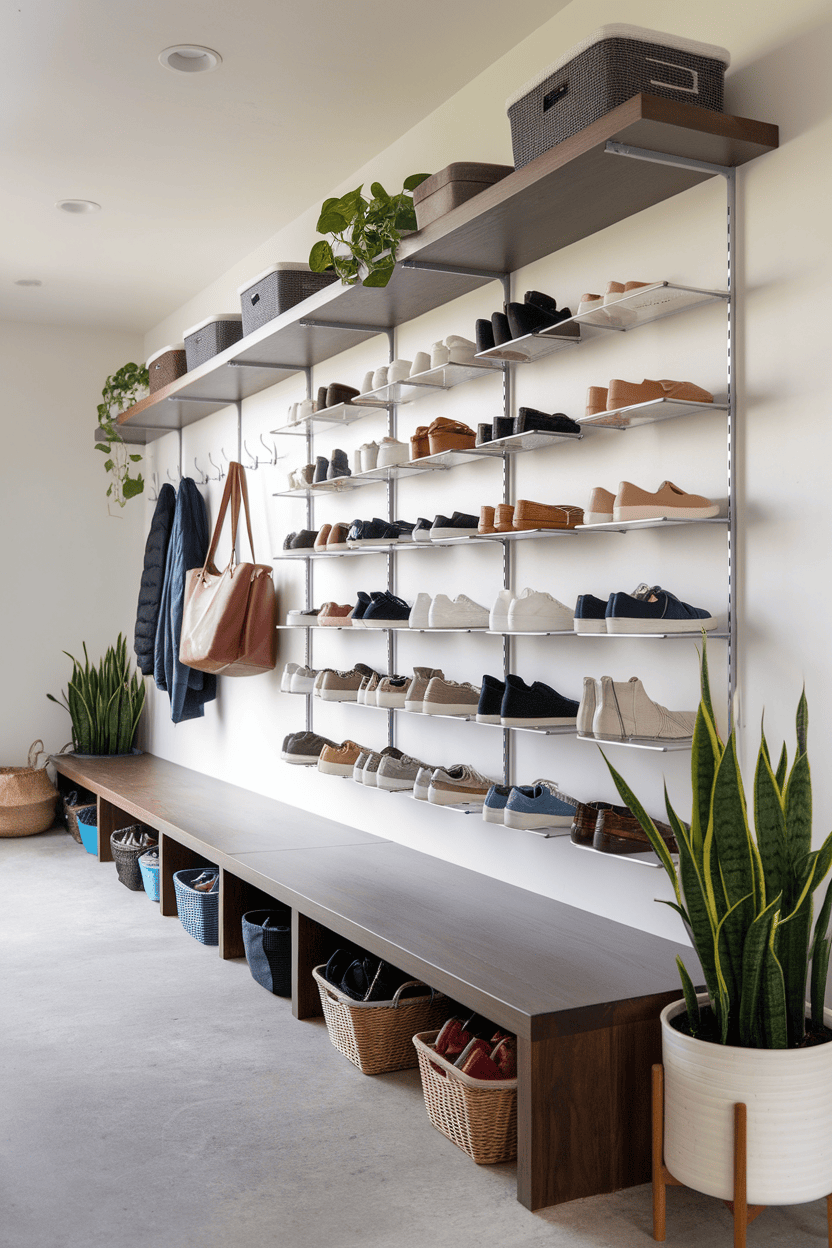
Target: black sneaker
(500,329)
(537,705)
(544,303)
(421,530)
(485,433)
(304,540)
(288,539)
(590,614)
(484,333)
(338,466)
(386,611)
(459,525)
(503,427)
(404,530)
(362,603)
(529,418)
(321,469)
(491,700)
(373,532)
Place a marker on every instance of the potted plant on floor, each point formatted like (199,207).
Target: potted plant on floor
(104,703)
(747,904)
(365,233)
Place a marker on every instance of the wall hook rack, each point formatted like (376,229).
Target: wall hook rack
(204,475)
(252,467)
(220,473)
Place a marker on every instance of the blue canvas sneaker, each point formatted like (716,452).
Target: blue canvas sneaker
(541,805)
(651,609)
(590,614)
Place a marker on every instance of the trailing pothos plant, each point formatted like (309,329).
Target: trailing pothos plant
(747,902)
(365,233)
(121,391)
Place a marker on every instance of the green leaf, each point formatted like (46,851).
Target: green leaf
(753,959)
(131,488)
(798,807)
(320,257)
(100,446)
(415,179)
(691,1003)
(135,458)
(770,824)
(820,959)
(109,465)
(782,768)
(705,681)
(705,756)
(378,191)
(378,277)
(802,722)
(732,835)
(775,1030)
(332,222)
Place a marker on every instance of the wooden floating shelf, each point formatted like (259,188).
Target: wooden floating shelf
(570,192)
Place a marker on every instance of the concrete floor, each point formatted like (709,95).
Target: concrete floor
(156,1097)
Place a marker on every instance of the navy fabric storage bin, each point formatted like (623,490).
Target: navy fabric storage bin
(608,67)
(198,912)
(269,948)
(277,289)
(209,337)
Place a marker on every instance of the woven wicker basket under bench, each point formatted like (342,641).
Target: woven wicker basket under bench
(582,994)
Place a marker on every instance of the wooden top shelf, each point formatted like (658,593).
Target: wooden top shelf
(569,193)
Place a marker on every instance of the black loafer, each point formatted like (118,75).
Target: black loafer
(524,319)
(500,328)
(544,303)
(503,427)
(484,334)
(528,419)
(485,433)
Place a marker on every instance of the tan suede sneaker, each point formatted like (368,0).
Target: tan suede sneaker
(422,677)
(600,509)
(634,503)
(335,615)
(454,785)
(342,686)
(339,760)
(450,697)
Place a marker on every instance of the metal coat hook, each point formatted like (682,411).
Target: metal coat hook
(175,480)
(152,498)
(256,458)
(273,455)
(204,475)
(220,473)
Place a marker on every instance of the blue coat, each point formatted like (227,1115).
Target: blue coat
(189,540)
(153,578)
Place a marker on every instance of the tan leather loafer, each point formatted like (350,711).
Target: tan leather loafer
(633,503)
(504,518)
(450,435)
(626,393)
(486,524)
(420,443)
(529,515)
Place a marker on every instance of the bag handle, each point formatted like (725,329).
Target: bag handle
(411,983)
(235,491)
(34,754)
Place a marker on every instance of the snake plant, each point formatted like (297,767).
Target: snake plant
(104,703)
(747,901)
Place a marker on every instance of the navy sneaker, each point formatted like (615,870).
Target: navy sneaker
(421,530)
(590,614)
(492,692)
(537,705)
(362,603)
(651,609)
(404,530)
(386,611)
(459,525)
(373,532)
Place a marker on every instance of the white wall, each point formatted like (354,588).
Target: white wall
(69,570)
(779,75)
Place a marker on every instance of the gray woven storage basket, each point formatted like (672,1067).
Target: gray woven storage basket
(209,337)
(610,66)
(277,289)
(126,857)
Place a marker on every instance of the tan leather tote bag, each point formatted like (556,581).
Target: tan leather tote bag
(229,617)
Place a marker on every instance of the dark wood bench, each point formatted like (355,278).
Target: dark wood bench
(582,993)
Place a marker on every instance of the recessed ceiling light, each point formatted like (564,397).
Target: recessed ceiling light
(77,205)
(190,58)
(28,281)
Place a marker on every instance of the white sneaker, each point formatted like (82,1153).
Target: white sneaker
(421,363)
(462,612)
(534,612)
(461,350)
(392,452)
(399,370)
(367,383)
(380,377)
(624,710)
(369,456)
(305,409)
(420,612)
(303,680)
(498,617)
(439,355)
(586,710)
(360,764)
(421,785)
(286,677)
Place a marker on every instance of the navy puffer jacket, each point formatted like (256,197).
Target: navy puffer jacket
(153,576)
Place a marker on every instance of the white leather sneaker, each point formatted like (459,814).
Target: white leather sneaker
(286,677)
(462,612)
(421,363)
(534,612)
(498,616)
(420,612)
(369,456)
(392,452)
(399,370)
(303,680)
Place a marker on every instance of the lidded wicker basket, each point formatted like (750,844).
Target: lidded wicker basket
(27,797)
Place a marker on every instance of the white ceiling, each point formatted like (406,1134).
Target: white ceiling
(195,170)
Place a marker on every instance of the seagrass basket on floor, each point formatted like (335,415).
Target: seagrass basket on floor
(377,1036)
(27,797)
(478,1115)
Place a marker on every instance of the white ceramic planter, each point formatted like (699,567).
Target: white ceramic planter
(789,1097)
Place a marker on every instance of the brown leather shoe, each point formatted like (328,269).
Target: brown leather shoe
(586,817)
(450,435)
(504,518)
(617,833)
(596,400)
(420,443)
(626,393)
(529,515)
(486,524)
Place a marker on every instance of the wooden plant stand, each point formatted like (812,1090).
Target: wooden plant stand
(744,1214)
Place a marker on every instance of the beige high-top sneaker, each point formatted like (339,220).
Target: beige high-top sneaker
(623,709)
